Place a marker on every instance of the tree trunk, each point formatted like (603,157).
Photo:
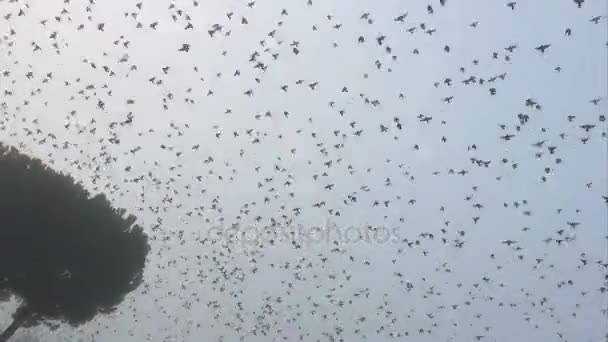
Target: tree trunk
(19,318)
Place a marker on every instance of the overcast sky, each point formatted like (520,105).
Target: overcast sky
(422,176)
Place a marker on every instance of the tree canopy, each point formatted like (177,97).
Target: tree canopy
(65,254)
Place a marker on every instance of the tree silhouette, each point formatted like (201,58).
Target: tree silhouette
(66,255)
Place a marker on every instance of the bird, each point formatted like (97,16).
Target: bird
(185,47)
(542,48)
(401,17)
(595,19)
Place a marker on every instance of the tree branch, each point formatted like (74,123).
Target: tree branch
(22,315)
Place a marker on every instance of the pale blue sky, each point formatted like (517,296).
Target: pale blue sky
(226,290)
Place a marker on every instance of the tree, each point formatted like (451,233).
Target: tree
(65,255)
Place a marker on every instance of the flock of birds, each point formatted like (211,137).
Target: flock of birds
(323,171)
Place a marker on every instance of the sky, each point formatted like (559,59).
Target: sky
(315,171)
